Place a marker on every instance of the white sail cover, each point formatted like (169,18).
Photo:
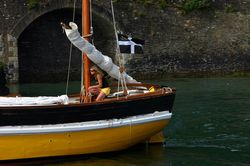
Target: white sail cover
(29,101)
(104,62)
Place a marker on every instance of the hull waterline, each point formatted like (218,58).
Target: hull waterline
(79,138)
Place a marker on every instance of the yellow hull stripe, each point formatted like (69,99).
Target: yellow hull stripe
(21,146)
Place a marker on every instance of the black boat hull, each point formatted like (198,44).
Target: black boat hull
(58,114)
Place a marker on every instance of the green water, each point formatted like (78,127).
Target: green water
(211,123)
(210,127)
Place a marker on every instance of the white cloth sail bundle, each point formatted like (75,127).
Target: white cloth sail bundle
(104,62)
(29,101)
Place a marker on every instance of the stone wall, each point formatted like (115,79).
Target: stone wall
(1,46)
(202,42)
(12,59)
(8,56)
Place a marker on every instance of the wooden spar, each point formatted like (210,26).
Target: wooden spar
(85,33)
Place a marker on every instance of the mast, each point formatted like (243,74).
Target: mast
(85,34)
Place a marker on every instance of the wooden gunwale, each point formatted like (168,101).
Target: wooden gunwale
(143,96)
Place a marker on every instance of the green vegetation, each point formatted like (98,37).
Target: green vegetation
(33,4)
(161,3)
(191,5)
(185,5)
(229,8)
(137,13)
(1,65)
(164,4)
(147,2)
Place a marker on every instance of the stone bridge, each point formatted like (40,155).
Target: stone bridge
(32,43)
(202,43)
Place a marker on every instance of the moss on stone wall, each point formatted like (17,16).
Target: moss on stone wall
(187,6)
(191,5)
(33,4)
(1,65)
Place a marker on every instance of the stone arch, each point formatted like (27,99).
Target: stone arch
(33,14)
(104,40)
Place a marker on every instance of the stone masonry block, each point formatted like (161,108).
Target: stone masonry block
(11,38)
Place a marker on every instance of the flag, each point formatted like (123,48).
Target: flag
(130,45)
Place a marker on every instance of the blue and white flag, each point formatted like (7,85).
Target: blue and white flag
(130,45)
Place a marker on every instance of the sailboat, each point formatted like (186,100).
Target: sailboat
(35,127)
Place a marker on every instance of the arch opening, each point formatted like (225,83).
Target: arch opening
(43,48)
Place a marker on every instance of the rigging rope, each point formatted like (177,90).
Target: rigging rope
(118,53)
(91,22)
(70,54)
(114,24)
(121,64)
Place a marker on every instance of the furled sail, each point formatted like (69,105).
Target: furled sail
(30,101)
(104,62)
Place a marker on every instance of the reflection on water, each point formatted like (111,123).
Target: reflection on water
(212,118)
(210,127)
(45,89)
(148,155)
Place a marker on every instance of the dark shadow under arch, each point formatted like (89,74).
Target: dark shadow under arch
(43,50)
